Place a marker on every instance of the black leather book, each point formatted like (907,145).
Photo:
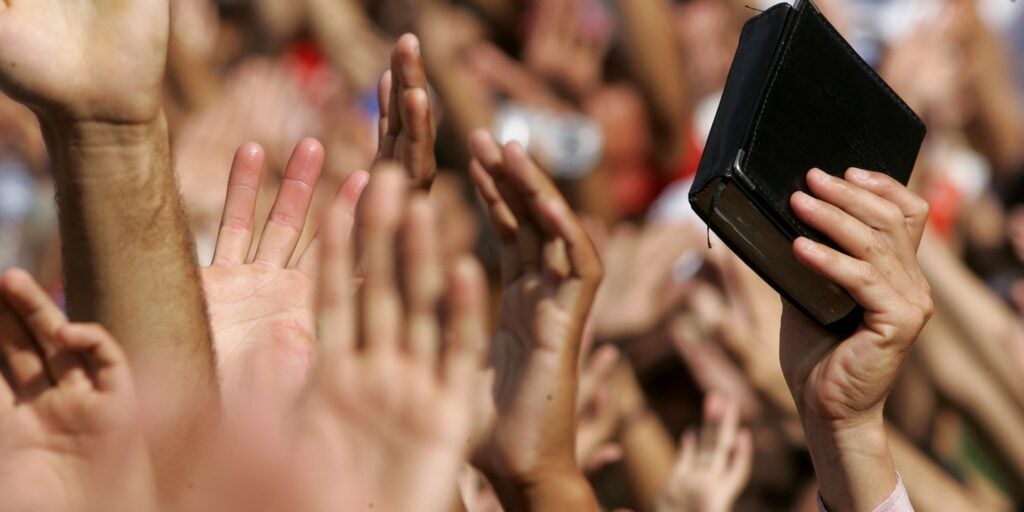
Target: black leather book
(797,97)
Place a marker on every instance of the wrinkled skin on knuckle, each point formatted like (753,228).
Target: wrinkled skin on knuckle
(892,216)
(920,208)
(878,245)
(868,275)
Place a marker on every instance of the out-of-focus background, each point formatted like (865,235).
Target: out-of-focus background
(615,98)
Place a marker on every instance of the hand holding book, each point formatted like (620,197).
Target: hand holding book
(838,382)
(797,97)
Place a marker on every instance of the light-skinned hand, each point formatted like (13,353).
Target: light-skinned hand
(714,462)
(70,436)
(840,381)
(550,272)
(389,412)
(879,223)
(86,60)
(565,50)
(261,290)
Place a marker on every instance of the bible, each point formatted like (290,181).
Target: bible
(797,97)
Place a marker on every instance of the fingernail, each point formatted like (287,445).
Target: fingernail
(804,199)
(818,173)
(859,174)
(808,246)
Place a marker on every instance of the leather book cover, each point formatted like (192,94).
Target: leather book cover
(798,97)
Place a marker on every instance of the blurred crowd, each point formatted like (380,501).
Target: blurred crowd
(615,99)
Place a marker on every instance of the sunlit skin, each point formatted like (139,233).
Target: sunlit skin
(550,273)
(840,383)
(714,462)
(392,399)
(70,438)
(260,289)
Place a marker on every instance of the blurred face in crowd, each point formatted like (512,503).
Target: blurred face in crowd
(620,110)
(708,33)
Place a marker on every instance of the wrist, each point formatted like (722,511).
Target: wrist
(851,460)
(115,148)
(561,489)
(88,133)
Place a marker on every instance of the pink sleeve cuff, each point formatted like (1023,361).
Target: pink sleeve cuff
(898,501)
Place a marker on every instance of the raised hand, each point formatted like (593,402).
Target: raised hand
(714,462)
(597,417)
(563,50)
(710,365)
(92,70)
(840,382)
(407,130)
(85,60)
(261,292)
(646,274)
(70,438)
(550,273)
(388,416)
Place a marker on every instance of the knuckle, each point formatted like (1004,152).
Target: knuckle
(868,274)
(918,207)
(892,215)
(926,309)
(878,245)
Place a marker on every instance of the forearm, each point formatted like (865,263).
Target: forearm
(349,40)
(763,372)
(648,457)
(130,265)
(962,381)
(933,490)
(852,462)
(976,311)
(467,104)
(657,66)
(556,491)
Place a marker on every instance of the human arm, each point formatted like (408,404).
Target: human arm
(657,66)
(447,33)
(974,310)
(550,273)
(840,382)
(998,127)
(932,488)
(93,71)
(963,380)
(647,445)
(350,40)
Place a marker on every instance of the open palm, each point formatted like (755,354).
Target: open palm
(69,437)
(550,272)
(391,404)
(89,59)
(265,302)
